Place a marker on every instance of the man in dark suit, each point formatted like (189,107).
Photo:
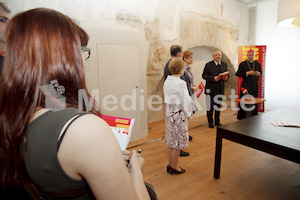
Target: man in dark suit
(214,87)
(250,71)
(176,52)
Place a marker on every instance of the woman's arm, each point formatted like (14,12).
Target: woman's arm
(90,151)
(137,163)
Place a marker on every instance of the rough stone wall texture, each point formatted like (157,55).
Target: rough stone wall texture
(194,31)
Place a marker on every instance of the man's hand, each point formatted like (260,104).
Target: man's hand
(225,78)
(217,78)
(250,73)
(257,73)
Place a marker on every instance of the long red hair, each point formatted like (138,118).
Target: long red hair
(41,45)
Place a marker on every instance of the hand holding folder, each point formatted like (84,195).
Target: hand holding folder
(224,75)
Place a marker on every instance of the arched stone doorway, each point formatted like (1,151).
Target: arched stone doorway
(202,55)
(200,34)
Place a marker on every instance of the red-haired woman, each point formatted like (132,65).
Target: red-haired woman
(67,153)
(188,57)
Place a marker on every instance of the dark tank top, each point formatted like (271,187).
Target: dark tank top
(41,159)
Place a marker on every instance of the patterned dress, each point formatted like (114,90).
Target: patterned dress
(177,136)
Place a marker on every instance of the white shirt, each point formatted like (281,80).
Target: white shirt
(217,62)
(176,92)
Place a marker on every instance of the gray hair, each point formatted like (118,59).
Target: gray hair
(215,50)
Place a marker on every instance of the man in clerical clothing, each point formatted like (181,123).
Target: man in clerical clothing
(250,71)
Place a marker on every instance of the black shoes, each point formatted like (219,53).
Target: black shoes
(211,126)
(218,124)
(183,153)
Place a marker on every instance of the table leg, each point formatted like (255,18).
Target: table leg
(218,155)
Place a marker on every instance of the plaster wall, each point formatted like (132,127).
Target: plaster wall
(282,66)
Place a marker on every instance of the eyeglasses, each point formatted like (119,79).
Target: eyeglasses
(86,52)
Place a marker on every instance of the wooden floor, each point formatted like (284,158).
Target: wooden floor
(245,173)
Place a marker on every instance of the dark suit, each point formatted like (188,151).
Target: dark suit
(250,83)
(213,88)
(185,77)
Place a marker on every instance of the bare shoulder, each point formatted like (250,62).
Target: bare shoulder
(89,124)
(89,134)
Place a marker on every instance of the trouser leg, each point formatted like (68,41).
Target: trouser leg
(209,117)
(217,117)
(209,109)
(217,107)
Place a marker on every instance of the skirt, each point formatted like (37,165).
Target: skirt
(176,136)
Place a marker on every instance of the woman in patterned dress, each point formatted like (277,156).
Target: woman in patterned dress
(178,110)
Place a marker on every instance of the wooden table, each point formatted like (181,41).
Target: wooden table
(257,132)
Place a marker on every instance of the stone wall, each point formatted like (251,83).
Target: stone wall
(195,31)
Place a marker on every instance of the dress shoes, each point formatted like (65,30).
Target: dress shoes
(168,168)
(211,126)
(183,153)
(218,124)
(174,171)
